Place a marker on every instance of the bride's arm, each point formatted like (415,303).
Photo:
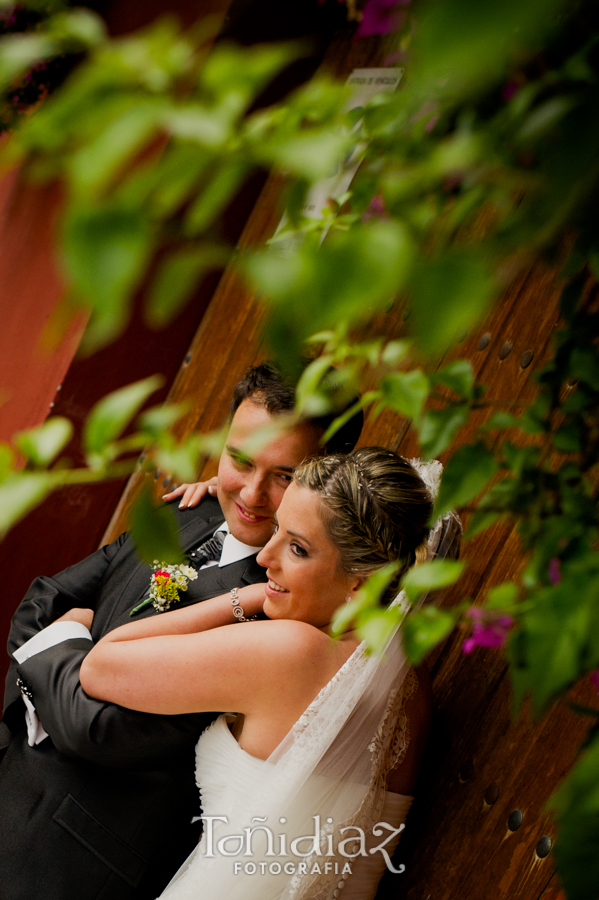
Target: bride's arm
(201,616)
(235,667)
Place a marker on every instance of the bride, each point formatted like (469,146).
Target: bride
(304,790)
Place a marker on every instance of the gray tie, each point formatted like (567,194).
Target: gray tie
(210,549)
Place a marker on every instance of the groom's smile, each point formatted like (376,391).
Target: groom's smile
(250,488)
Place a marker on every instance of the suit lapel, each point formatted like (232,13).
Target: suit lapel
(193,530)
(253,572)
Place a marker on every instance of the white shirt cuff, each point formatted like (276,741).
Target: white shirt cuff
(43,640)
(49,637)
(35,730)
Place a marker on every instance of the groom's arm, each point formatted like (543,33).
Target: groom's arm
(49,598)
(99,732)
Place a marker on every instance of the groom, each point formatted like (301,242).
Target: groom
(96,801)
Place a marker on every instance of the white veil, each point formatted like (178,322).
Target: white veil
(332,764)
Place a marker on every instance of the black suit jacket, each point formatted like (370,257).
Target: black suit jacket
(101,809)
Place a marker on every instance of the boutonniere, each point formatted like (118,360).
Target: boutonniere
(166,583)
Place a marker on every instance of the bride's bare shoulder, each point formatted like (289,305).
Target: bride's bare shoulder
(291,633)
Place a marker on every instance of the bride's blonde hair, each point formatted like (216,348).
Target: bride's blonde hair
(376,508)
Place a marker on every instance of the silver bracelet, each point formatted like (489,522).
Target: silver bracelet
(237,610)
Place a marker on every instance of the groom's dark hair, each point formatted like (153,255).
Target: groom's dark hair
(266,385)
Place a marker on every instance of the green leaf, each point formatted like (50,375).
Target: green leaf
(376,627)
(584,365)
(376,584)
(458,376)
(309,400)
(19,52)
(480,520)
(159,419)
(154,530)
(43,444)
(210,128)
(463,46)
(405,392)
(439,427)
(365,400)
(20,493)
(311,155)
(466,474)
(111,415)
(92,167)
(177,277)
(450,293)
(346,614)
(568,438)
(424,629)
(215,195)
(78,26)
(501,419)
(346,279)
(503,597)
(552,639)
(577,805)
(431,576)
(243,71)
(368,602)
(394,352)
(105,250)
(181,461)
(7,460)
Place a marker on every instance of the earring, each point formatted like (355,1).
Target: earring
(348,599)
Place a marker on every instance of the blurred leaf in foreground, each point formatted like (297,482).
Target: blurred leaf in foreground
(466,474)
(450,292)
(424,629)
(154,530)
(42,445)
(20,493)
(111,415)
(577,804)
(431,576)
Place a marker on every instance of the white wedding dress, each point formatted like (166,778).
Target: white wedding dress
(229,864)
(223,772)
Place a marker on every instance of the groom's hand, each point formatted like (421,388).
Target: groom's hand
(84,616)
(191,494)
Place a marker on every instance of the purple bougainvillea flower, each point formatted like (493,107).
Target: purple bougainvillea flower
(555,576)
(489,629)
(511,88)
(380,17)
(376,208)
(595,679)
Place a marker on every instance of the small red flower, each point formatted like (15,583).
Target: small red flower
(161,573)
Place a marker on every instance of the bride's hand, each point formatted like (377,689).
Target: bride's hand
(192,493)
(251,598)
(84,616)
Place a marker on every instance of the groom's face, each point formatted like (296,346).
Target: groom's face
(251,484)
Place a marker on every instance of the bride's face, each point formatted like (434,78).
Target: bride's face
(305,581)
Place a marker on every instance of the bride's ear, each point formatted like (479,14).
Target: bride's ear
(355,586)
